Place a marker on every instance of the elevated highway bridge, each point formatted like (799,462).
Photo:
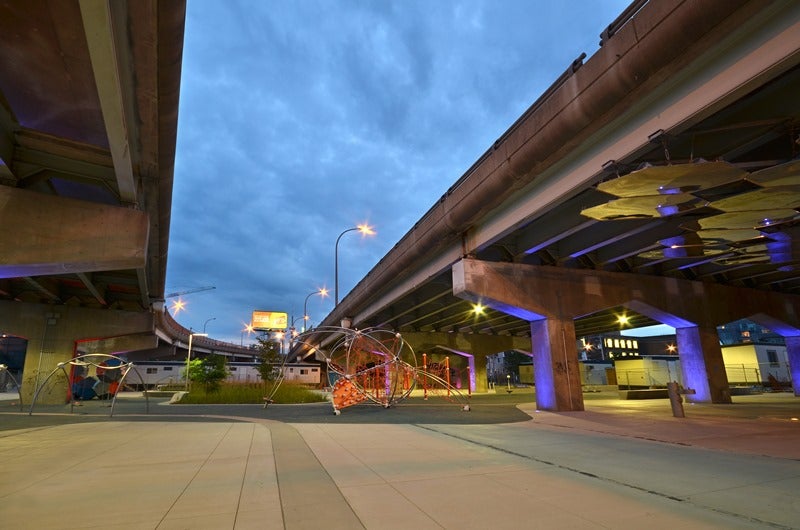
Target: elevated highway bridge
(658,178)
(88,123)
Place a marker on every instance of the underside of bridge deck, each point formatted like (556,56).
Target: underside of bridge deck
(670,153)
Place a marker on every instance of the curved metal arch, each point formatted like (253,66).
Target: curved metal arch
(87,360)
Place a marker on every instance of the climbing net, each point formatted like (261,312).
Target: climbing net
(376,366)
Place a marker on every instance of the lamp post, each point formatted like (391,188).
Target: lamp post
(189,355)
(206,323)
(365,230)
(322,292)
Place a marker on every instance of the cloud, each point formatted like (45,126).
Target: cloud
(299,119)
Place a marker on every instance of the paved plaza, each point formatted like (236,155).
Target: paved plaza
(421,464)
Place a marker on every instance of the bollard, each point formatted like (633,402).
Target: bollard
(675,399)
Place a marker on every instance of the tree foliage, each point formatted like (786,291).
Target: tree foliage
(512,361)
(210,371)
(270,358)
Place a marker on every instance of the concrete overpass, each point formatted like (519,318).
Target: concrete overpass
(659,178)
(88,122)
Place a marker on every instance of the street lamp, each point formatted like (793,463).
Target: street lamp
(322,292)
(206,323)
(249,329)
(365,230)
(189,355)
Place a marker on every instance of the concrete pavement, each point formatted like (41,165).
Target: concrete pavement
(619,464)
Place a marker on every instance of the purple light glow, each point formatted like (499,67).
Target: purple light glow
(542,367)
(658,314)
(667,210)
(518,312)
(793,353)
(470,362)
(693,364)
(781,328)
(780,248)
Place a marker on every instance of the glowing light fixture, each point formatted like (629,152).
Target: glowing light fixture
(178,305)
(365,230)
(249,329)
(323,292)
(478,309)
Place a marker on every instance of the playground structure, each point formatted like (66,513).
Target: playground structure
(377,366)
(107,379)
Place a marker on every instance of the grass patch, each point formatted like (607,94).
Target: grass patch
(239,393)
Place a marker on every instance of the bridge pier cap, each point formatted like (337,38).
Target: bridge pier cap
(695,309)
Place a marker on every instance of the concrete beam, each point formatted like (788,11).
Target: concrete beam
(551,298)
(534,292)
(467,342)
(119,344)
(475,347)
(107,40)
(54,235)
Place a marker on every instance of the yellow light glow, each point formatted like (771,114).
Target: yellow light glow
(478,309)
(622,319)
(671,348)
(178,305)
(323,292)
(366,230)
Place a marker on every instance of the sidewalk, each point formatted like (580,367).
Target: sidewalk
(616,465)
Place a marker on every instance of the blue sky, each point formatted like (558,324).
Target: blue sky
(300,119)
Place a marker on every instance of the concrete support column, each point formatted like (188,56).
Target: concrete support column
(477,366)
(793,353)
(702,365)
(555,364)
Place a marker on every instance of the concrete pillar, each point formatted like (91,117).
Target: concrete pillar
(479,376)
(702,365)
(555,364)
(53,333)
(793,353)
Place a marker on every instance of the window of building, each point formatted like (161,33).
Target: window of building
(303,371)
(314,370)
(167,368)
(772,357)
(233,368)
(152,370)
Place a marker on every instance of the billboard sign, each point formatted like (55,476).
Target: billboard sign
(270,321)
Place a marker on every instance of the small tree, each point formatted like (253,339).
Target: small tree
(210,371)
(512,361)
(270,359)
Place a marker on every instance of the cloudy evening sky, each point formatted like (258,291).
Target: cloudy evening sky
(300,119)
